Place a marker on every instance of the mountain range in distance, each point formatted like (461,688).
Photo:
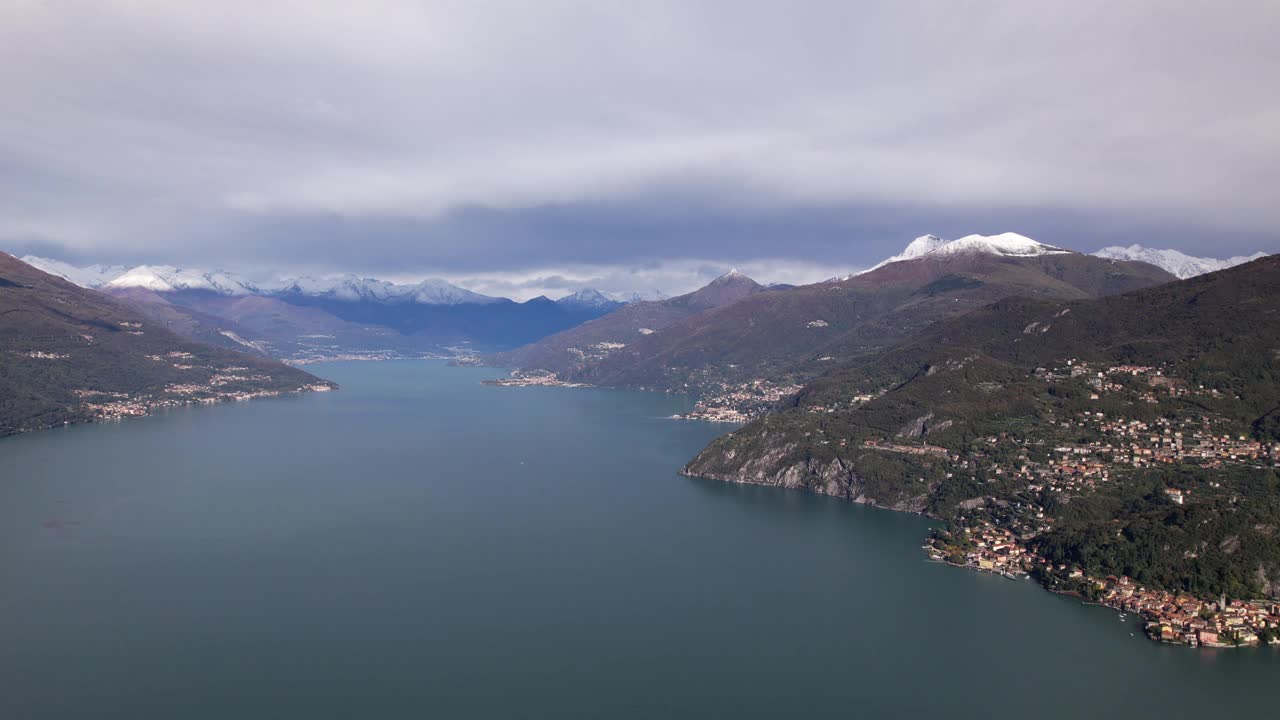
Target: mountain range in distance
(307,318)
(590,337)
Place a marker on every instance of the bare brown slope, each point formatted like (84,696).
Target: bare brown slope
(571,349)
(795,334)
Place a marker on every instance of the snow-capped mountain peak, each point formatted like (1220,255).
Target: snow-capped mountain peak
(434,291)
(1008,244)
(922,245)
(734,275)
(1177,263)
(586,298)
(145,276)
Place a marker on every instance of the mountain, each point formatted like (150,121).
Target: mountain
(69,354)
(787,336)
(1179,264)
(1009,244)
(641,296)
(191,323)
(266,325)
(589,299)
(1069,423)
(571,349)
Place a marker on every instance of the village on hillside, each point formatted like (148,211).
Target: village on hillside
(997,535)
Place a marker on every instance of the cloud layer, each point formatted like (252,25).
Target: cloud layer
(463,137)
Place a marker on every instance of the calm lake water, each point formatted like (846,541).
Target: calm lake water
(419,545)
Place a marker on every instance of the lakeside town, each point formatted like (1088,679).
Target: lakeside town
(718,401)
(739,403)
(532,378)
(224,384)
(1170,617)
(311,357)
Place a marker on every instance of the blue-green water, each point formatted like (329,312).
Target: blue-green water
(419,545)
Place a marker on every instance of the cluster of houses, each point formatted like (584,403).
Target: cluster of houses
(740,403)
(1115,442)
(228,378)
(1169,617)
(1141,444)
(1186,620)
(1108,380)
(595,351)
(985,547)
(175,395)
(105,405)
(118,409)
(532,378)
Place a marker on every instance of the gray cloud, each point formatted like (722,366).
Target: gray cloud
(466,137)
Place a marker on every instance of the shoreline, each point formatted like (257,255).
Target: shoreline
(1159,625)
(153,410)
(1153,629)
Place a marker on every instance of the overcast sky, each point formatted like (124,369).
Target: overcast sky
(539,145)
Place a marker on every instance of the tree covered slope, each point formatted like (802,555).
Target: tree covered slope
(795,334)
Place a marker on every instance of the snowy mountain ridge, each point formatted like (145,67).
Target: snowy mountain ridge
(1177,263)
(91,276)
(1011,244)
(1008,244)
(167,278)
(353,288)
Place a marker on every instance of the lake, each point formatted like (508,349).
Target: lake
(420,545)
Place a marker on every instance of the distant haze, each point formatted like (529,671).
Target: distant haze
(526,148)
